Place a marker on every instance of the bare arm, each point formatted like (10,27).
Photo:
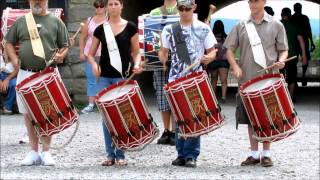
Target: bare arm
(237,72)
(82,40)
(11,52)
(91,60)
(163,55)
(210,56)
(303,49)
(135,53)
(283,55)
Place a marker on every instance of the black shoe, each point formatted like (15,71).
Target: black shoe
(172,138)
(179,162)
(165,137)
(304,82)
(191,163)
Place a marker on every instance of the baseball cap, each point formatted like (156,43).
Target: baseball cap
(185,3)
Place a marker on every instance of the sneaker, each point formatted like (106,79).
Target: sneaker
(165,137)
(191,163)
(250,161)
(179,162)
(266,162)
(33,158)
(88,109)
(172,140)
(47,159)
(6,111)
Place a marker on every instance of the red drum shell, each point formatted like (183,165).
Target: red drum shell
(126,116)
(48,102)
(269,107)
(191,96)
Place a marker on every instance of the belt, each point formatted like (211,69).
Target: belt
(34,70)
(30,70)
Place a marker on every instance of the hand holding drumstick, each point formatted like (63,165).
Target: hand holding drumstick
(72,39)
(277,64)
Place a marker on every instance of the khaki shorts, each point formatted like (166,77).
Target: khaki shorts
(22,74)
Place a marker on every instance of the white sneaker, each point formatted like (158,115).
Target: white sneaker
(47,159)
(33,158)
(88,109)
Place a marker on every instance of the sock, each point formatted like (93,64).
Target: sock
(266,153)
(255,154)
(91,104)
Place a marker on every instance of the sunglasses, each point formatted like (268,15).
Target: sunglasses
(187,9)
(98,5)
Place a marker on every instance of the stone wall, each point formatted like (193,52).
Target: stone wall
(72,71)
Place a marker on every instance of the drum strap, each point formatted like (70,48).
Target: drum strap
(114,54)
(181,45)
(256,45)
(36,42)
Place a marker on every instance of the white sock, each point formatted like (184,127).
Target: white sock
(255,154)
(91,104)
(266,153)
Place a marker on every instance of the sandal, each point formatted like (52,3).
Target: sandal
(108,162)
(121,162)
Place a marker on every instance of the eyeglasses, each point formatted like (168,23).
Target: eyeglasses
(98,5)
(182,8)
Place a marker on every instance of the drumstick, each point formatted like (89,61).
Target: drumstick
(212,9)
(191,67)
(75,35)
(142,64)
(273,65)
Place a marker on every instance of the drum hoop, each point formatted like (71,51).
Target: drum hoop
(113,86)
(278,136)
(258,78)
(276,86)
(49,70)
(186,83)
(120,99)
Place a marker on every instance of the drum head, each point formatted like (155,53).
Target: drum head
(36,80)
(262,84)
(116,92)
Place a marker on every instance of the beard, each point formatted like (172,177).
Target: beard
(37,9)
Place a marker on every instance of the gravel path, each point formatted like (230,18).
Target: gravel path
(222,151)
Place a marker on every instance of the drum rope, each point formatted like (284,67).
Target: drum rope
(256,119)
(180,116)
(103,111)
(193,113)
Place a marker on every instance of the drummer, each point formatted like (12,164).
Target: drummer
(275,49)
(200,41)
(119,40)
(53,34)
(160,78)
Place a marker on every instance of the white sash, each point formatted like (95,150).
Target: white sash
(256,45)
(36,43)
(114,54)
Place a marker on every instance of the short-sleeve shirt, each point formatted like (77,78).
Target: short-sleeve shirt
(198,37)
(123,40)
(53,34)
(273,38)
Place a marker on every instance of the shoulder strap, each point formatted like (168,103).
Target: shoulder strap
(35,39)
(181,45)
(256,45)
(114,54)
